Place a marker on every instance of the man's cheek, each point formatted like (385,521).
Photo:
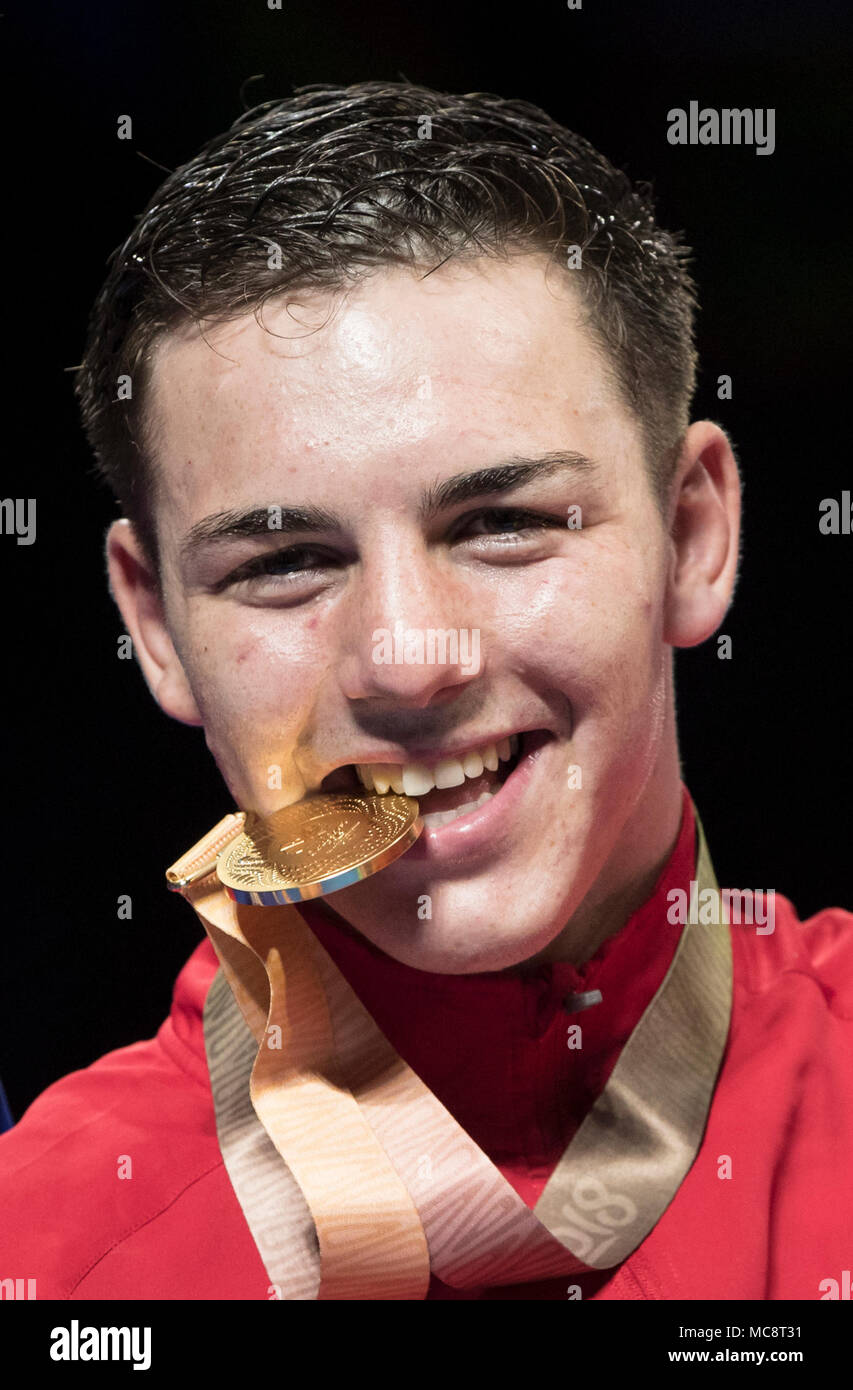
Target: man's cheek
(260,737)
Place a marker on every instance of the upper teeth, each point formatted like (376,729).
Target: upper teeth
(416,779)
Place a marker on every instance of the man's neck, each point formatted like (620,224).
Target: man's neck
(627,884)
(594,923)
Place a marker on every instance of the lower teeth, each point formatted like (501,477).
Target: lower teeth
(443,817)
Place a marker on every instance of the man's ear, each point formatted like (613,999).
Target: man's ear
(133,585)
(705,536)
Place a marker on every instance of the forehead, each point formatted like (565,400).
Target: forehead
(400,375)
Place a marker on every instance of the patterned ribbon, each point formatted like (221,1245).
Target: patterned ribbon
(357,1183)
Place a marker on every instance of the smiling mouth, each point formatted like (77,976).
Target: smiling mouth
(448,788)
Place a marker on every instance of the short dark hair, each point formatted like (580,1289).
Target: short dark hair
(346,180)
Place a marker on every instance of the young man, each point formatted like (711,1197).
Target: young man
(382,363)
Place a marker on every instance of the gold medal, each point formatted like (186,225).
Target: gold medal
(316,847)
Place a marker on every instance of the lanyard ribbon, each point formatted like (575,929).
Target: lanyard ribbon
(357,1183)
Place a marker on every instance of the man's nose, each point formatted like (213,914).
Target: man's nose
(409,632)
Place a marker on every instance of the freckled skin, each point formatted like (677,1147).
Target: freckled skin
(406,382)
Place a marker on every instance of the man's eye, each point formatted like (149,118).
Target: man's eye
(296,561)
(292,563)
(498,521)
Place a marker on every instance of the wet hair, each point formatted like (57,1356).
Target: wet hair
(334,183)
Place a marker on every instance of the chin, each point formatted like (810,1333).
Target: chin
(450,944)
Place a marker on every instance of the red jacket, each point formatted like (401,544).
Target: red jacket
(765,1211)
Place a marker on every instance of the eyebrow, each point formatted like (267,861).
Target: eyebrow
(502,478)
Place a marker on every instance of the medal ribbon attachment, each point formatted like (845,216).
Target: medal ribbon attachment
(357,1183)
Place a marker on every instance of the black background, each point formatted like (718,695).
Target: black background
(102,791)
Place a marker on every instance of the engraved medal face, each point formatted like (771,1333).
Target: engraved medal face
(316,846)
